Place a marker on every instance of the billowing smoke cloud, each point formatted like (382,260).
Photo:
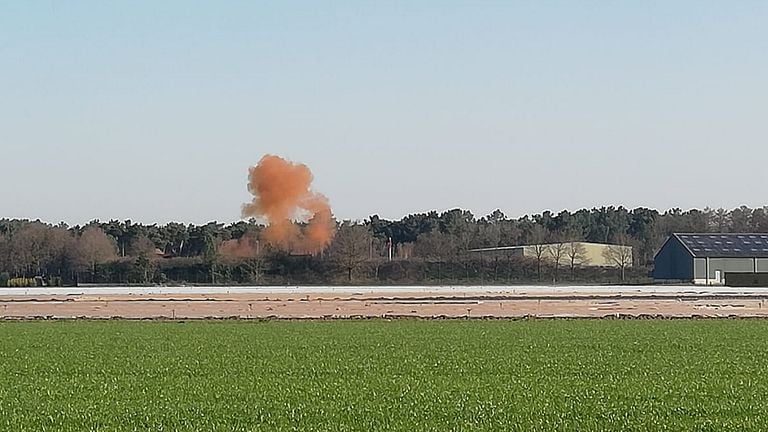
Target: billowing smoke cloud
(244,247)
(298,219)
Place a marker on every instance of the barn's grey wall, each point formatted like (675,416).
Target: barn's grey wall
(762,265)
(699,268)
(726,265)
(673,262)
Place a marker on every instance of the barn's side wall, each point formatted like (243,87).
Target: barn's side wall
(730,265)
(673,262)
(762,265)
(699,269)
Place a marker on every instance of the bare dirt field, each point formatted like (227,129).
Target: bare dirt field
(386,303)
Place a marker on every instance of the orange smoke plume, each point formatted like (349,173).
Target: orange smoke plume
(298,219)
(244,247)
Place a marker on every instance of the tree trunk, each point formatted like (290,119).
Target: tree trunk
(538,270)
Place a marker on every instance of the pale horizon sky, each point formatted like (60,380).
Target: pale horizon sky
(153,111)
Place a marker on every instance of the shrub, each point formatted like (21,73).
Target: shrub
(22,283)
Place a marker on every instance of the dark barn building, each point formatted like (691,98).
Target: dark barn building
(714,259)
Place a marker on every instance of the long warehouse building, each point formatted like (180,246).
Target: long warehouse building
(586,254)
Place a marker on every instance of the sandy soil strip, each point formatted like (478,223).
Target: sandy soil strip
(335,305)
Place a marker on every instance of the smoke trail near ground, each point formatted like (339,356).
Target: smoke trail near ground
(298,219)
(244,247)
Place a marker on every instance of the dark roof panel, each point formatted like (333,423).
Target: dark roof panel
(726,245)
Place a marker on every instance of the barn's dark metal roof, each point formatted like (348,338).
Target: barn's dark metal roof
(726,245)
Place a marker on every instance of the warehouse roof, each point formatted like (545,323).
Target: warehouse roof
(493,249)
(729,245)
(508,248)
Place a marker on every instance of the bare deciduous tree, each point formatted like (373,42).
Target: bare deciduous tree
(437,247)
(577,255)
(619,255)
(538,238)
(142,246)
(5,250)
(351,246)
(95,247)
(557,251)
(37,249)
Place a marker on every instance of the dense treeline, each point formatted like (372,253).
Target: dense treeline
(419,248)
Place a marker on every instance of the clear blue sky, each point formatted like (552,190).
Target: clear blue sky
(153,110)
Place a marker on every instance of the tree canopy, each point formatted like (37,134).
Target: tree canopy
(425,247)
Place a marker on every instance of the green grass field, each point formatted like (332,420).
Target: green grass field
(381,375)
